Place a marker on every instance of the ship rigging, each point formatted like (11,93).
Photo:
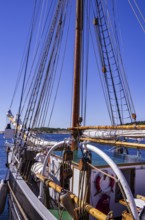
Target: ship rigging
(61,185)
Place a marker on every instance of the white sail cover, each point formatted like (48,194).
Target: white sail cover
(41,142)
(113,134)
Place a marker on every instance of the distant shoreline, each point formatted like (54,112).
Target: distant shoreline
(55,132)
(51,131)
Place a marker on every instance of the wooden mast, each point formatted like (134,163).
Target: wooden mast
(77,69)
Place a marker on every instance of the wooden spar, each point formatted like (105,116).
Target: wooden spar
(115,143)
(107,127)
(77,68)
(89,209)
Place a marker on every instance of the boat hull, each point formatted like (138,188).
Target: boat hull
(25,203)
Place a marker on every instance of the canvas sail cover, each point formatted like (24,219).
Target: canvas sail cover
(113,134)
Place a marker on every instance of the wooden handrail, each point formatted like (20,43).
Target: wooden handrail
(89,209)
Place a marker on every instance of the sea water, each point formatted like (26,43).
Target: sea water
(3,172)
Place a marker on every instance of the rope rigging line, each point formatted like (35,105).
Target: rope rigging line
(40,111)
(25,72)
(142,27)
(47,97)
(102,82)
(50,91)
(86,57)
(23,57)
(42,91)
(30,82)
(63,57)
(119,59)
(36,87)
(139,10)
(50,84)
(45,85)
(52,80)
(112,68)
(82,74)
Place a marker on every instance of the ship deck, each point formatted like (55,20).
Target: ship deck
(133,157)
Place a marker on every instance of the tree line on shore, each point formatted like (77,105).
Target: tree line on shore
(50,130)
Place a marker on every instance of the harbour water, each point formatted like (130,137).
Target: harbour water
(3,172)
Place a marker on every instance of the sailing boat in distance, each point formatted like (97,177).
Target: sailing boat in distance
(73,183)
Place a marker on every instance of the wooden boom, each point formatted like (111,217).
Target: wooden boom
(115,143)
(114,127)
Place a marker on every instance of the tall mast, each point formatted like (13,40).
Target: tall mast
(77,65)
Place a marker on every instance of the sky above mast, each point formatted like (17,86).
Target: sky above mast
(15,18)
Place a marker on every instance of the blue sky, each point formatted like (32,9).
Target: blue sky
(15,17)
(133,54)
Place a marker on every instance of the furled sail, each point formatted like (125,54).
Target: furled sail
(113,134)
